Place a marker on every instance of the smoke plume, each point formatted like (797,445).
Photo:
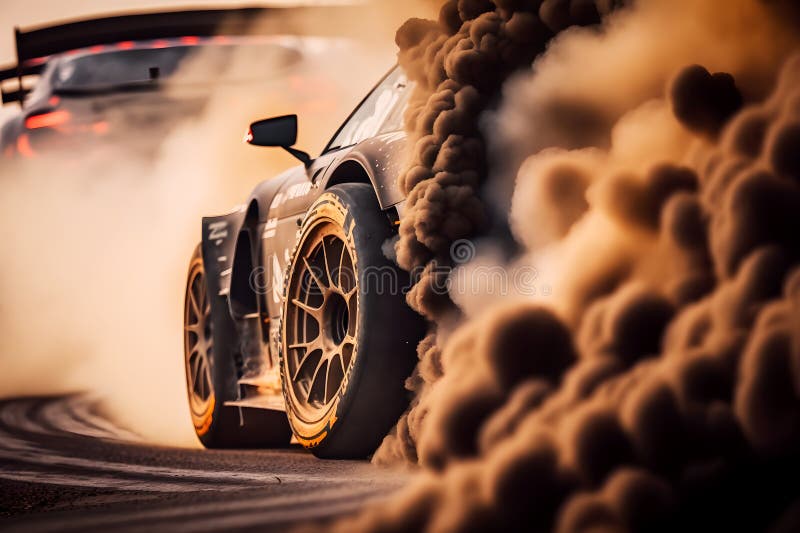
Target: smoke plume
(646,159)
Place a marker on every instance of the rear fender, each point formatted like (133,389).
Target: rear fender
(219,246)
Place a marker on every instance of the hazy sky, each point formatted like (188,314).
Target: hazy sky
(35,12)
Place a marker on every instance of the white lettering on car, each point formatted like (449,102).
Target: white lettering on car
(277,281)
(218,231)
(291,193)
(270,228)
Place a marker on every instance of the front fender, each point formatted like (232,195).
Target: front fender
(382,158)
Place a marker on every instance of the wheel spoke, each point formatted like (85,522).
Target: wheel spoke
(341,363)
(191,371)
(322,286)
(201,364)
(201,293)
(203,386)
(194,355)
(193,301)
(194,328)
(311,347)
(347,347)
(349,340)
(196,377)
(313,311)
(206,382)
(199,385)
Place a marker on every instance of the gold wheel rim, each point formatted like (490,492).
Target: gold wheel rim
(321,321)
(198,343)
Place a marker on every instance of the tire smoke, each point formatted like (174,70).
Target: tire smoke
(98,240)
(647,164)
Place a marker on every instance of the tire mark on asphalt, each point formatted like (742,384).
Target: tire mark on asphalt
(222,516)
(64,442)
(76,416)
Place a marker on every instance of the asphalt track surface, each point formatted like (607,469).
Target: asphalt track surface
(63,467)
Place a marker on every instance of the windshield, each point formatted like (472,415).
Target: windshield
(121,67)
(116,68)
(380,112)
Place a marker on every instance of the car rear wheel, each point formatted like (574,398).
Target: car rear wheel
(348,339)
(211,373)
(198,345)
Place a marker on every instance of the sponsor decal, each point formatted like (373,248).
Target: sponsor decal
(217,232)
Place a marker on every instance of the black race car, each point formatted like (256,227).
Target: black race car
(120,80)
(295,319)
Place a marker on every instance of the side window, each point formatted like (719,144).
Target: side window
(43,84)
(381,112)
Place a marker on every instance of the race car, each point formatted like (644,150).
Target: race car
(120,80)
(295,317)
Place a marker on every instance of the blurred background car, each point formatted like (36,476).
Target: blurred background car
(98,80)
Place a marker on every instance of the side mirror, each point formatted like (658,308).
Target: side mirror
(280,132)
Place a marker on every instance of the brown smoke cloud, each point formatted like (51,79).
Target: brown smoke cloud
(653,161)
(459,64)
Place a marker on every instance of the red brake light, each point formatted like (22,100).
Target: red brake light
(24,146)
(126,45)
(190,40)
(48,120)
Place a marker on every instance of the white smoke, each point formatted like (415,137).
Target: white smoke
(98,242)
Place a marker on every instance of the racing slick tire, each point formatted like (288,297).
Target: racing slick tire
(211,373)
(347,337)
